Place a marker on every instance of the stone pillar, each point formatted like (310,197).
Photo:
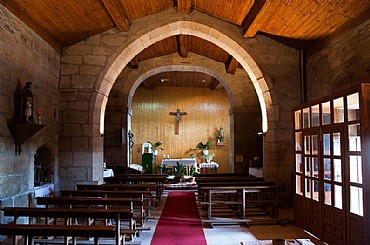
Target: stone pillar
(81,144)
(115,137)
(247,123)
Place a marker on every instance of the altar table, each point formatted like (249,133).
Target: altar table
(208,167)
(184,161)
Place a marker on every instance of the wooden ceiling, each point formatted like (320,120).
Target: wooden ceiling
(301,24)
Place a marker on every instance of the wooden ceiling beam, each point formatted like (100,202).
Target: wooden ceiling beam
(349,25)
(182,45)
(147,84)
(117,13)
(213,83)
(183,6)
(251,17)
(25,18)
(134,63)
(231,65)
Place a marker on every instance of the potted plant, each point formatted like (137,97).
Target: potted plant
(205,147)
(191,174)
(162,169)
(156,147)
(179,172)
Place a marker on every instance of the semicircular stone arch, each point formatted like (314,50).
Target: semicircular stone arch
(238,87)
(110,52)
(228,39)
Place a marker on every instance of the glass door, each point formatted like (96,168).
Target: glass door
(329,168)
(333,214)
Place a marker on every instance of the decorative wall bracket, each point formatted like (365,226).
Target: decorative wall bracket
(21,132)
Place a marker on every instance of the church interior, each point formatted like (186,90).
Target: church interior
(275,91)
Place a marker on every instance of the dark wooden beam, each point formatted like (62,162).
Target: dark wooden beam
(213,83)
(25,18)
(182,45)
(134,63)
(348,26)
(147,84)
(183,6)
(231,65)
(251,16)
(117,13)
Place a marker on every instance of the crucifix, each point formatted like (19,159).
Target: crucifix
(178,115)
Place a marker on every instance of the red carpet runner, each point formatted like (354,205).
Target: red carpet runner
(179,223)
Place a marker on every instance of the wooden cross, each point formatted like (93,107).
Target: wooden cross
(178,115)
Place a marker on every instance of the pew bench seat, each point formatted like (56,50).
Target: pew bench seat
(30,231)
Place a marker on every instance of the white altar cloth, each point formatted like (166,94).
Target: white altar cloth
(256,172)
(44,190)
(209,165)
(183,161)
(108,173)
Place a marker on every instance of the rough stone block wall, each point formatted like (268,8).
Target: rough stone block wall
(25,57)
(342,64)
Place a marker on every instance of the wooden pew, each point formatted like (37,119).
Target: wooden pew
(227,179)
(235,183)
(88,203)
(203,195)
(271,198)
(222,175)
(158,179)
(30,231)
(69,217)
(122,187)
(142,198)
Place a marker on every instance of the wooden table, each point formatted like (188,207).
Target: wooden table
(210,167)
(210,190)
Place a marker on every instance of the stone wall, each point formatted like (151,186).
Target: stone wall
(25,57)
(342,64)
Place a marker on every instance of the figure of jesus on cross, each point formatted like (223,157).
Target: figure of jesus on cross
(178,115)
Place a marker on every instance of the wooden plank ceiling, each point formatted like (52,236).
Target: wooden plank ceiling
(303,24)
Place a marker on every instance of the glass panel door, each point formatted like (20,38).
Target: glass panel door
(330,167)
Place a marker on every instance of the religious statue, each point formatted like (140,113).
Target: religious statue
(131,139)
(220,135)
(27,103)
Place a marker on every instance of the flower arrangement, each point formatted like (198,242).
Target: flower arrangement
(208,157)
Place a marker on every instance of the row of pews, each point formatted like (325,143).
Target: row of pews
(238,197)
(111,213)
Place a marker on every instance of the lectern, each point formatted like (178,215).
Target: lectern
(147,161)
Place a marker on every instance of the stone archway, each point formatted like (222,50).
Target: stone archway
(76,82)
(217,37)
(237,86)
